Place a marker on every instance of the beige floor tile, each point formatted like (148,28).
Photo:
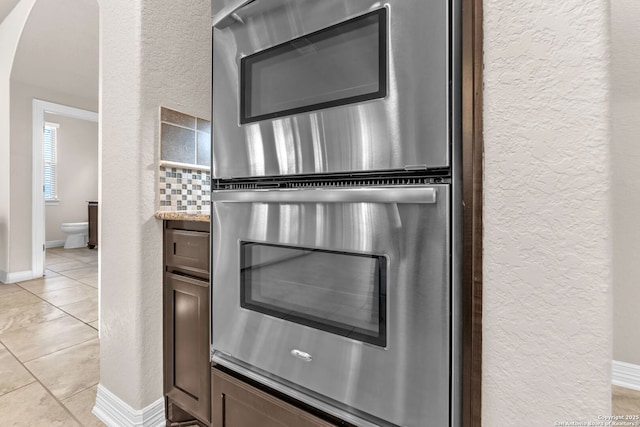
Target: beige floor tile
(28,315)
(49,273)
(70,295)
(17,299)
(50,258)
(31,405)
(85,310)
(48,284)
(67,265)
(7,289)
(69,371)
(79,273)
(90,280)
(76,253)
(12,374)
(61,251)
(625,401)
(81,404)
(48,337)
(88,259)
(94,324)
(57,249)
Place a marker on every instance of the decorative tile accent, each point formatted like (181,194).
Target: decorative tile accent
(203,150)
(203,125)
(184,139)
(184,190)
(177,118)
(177,144)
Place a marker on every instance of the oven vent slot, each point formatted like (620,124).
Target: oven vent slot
(362,183)
(344,182)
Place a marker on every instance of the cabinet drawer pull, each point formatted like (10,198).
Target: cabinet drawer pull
(224,409)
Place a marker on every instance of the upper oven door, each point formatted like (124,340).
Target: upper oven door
(343,293)
(308,86)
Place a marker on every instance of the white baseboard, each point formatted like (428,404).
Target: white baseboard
(625,375)
(114,412)
(54,244)
(18,276)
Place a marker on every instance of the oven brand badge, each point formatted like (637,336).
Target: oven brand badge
(301,355)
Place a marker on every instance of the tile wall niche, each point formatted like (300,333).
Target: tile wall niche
(185,158)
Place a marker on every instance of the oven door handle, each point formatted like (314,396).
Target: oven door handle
(412,195)
(228,15)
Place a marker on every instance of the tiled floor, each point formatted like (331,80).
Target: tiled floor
(625,401)
(49,348)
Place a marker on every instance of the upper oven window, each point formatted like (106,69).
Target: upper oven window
(339,292)
(342,64)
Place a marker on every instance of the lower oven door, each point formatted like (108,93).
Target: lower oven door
(340,297)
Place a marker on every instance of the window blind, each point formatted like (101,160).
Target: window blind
(51,161)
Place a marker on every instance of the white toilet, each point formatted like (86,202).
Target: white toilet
(76,234)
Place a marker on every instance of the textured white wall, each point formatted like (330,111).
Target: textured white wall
(59,47)
(547,321)
(122,352)
(153,53)
(10,31)
(625,118)
(77,173)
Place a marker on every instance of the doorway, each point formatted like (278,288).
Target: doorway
(40,109)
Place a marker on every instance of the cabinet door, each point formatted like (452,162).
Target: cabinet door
(187,252)
(186,326)
(238,404)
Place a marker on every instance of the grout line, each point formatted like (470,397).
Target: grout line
(23,364)
(35,380)
(60,349)
(45,388)
(57,307)
(80,391)
(71,315)
(65,312)
(4,347)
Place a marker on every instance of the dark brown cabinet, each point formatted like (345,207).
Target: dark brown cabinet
(93,224)
(187,252)
(195,393)
(187,385)
(238,404)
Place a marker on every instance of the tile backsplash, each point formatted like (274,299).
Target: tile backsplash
(185,155)
(184,190)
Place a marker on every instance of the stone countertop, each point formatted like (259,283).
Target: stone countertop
(182,216)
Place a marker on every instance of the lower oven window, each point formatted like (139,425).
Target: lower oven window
(339,292)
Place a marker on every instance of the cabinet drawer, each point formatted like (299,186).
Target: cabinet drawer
(187,252)
(238,404)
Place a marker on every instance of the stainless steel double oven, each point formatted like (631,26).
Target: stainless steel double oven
(335,204)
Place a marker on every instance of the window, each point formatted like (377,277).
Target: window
(50,138)
(339,65)
(339,292)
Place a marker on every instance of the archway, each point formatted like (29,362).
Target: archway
(56,60)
